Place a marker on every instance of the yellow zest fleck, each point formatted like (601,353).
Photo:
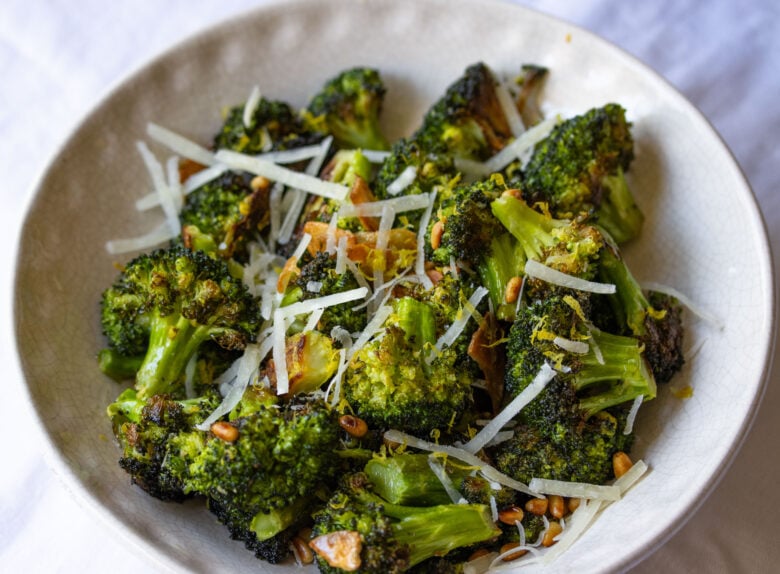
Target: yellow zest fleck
(685,392)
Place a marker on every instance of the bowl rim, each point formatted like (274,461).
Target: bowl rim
(63,469)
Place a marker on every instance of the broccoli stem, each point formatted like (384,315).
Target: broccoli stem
(506,260)
(435,531)
(531,228)
(618,213)
(629,302)
(117,366)
(268,525)
(173,340)
(622,365)
(417,320)
(407,479)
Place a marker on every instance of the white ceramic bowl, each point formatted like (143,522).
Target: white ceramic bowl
(703,235)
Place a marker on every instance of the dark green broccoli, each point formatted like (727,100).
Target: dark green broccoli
(166,304)
(281,453)
(274,126)
(433,168)
(655,319)
(318,278)
(222,216)
(479,490)
(563,451)
(608,370)
(468,121)
(118,366)
(145,428)
(473,237)
(580,167)
(349,106)
(368,534)
(391,383)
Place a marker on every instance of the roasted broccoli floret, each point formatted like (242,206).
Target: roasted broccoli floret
(654,318)
(318,278)
(274,126)
(468,121)
(168,303)
(599,369)
(399,380)
(359,531)
(145,428)
(580,167)
(349,106)
(222,216)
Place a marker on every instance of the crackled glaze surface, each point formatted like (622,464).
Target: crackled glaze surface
(87,195)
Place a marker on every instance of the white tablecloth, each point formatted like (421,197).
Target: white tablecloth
(57,58)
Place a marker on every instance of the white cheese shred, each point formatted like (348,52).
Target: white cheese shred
(686,301)
(575,489)
(373,326)
(310,305)
(580,520)
(374,208)
(335,383)
(157,175)
(419,264)
(279,353)
(489,431)
(174,182)
(540,271)
(252,102)
(180,145)
(314,318)
(516,125)
(288,177)
(457,326)
(292,155)
(341,256)
(404,180)
(438,469)
(157,236)
(382,240)
(631,417)
(375,155)
(330,238)
(578,347)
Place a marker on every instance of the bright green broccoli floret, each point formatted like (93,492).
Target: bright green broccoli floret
(468,121)
(281,454)
(274,126)
(168,303)
(222,216)
(385,538)
(580,166)
(612,369)
(349,107)
(398,380)
(145,429)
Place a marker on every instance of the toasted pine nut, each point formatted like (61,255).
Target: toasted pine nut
(300,548)
(340,549)
(515,555)
(259,182)
(355,426)
(437,231)
(621,463)
(516,193)
(511,515)
(574,504)
(225,431)
(552,531)
(512,291)
(479,553)
(537,506)
(556,506)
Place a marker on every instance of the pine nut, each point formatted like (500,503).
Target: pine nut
(340,549)
(225,431)
(300,548)
(557,506)
(514,555)
(621,463)
(355,426)
(537,506)
(516,193)
(512,291)
(479,553)
(574,504)
(259,182)
(437,231)
(305,533)
(511,515)
(552,531)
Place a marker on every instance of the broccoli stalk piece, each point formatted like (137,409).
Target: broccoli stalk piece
(118,366)
(390,383)
(348,106)
(166,305)
(656,320)
(373,536)
(580,168)
(611,370)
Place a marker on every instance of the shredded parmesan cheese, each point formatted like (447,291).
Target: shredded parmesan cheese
(419,265)
(686,301)
(252,102)
(509,108)
(457,326)
(575,489)
(180,145)
(438,469)
(403,181)
(540,271)
(375,208)
(631,417)
(578,347)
